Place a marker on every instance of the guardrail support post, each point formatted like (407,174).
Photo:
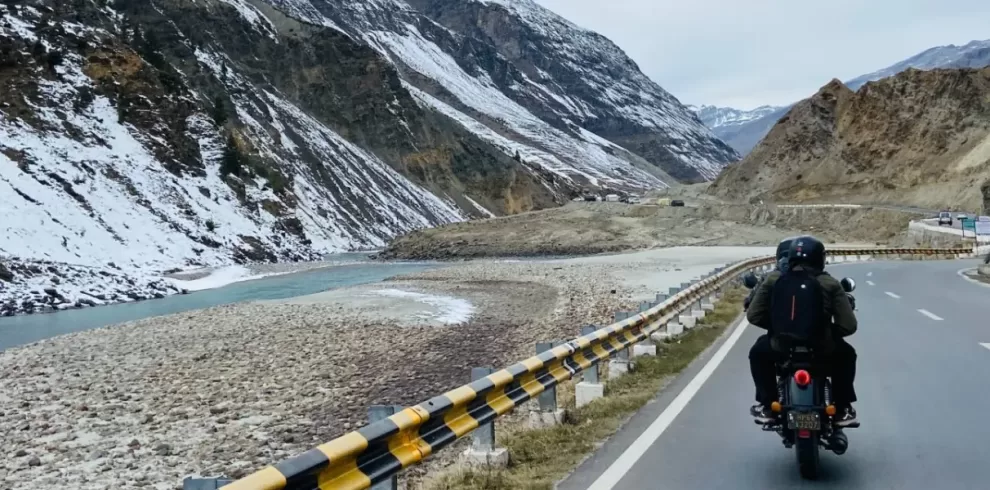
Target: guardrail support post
(483,451)
(619,365)
(547,412)
(661,297)
(382,412)
(646,347)
(590,387)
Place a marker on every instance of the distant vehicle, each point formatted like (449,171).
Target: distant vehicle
(612,198)
(624,199)
(677,202)
(945,218)
(962,216)
(634,200)
(591,198)
(663,201)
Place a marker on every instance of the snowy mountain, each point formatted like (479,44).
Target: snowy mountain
(975,54)
(742,130)
(177,133)
(719,117)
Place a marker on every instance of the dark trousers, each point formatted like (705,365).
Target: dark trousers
(840,364)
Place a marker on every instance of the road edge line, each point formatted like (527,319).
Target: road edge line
(614,473)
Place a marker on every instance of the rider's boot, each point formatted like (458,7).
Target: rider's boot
(761,413)
(847,417)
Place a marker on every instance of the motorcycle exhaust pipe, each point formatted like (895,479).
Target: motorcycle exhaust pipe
(838,443)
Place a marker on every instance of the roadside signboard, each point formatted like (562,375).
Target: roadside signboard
(982,225)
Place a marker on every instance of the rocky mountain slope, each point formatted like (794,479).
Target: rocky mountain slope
(919,137)
(742,130)
(168,133)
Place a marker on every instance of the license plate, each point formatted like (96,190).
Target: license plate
(803,420)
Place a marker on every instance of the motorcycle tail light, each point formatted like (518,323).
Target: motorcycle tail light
(802,377)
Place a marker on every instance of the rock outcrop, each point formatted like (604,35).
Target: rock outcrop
(919,138)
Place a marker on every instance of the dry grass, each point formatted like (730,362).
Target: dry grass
(541,457)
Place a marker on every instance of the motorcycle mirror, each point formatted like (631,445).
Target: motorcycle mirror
(750,280)
(848,285)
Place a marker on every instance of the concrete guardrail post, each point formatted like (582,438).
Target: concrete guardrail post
(547,412)
(190,483)
(661,297)
(382,412)
(590,387)
(483,451)
(646,347)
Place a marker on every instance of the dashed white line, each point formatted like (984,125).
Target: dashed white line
(892,295)
(985,344)
(930,315)
(610,478)
(871,283)
(869,274)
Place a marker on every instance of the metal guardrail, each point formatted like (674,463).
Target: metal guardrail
(376,452)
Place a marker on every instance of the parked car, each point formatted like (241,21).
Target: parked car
(945,218)
(634,200)
(612,198)
(677,202)
(591,198)
(962,216)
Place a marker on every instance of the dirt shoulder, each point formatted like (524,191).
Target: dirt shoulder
(600,227)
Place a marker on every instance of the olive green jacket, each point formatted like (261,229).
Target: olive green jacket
(837,307)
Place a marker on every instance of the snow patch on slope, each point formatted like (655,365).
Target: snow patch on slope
(254,16)
(583,156)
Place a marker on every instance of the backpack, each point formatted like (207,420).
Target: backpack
(797,311)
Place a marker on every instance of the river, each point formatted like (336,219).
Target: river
(25,329)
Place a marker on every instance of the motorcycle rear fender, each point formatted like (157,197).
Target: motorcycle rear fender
(801,396)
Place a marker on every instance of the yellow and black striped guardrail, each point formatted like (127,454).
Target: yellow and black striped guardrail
(379,450)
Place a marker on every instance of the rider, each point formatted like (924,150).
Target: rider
(783,248)
(808,254)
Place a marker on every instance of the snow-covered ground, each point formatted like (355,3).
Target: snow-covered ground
(445,309)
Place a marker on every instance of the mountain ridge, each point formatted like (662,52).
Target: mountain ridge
(410,145)
(920,138)
(744,129)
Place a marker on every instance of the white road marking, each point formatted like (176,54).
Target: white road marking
(930,315)
(610,478)
(869,274)
(892,295)
(962,273)
(871,283)
(985,344)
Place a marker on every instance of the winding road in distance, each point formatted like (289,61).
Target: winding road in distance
(924,395)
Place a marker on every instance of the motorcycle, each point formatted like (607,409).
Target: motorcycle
(805,414)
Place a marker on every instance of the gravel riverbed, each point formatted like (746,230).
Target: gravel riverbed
(227,390)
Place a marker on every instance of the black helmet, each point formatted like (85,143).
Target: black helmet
(784,248)
(807,251)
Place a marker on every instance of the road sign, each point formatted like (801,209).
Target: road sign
(982,227)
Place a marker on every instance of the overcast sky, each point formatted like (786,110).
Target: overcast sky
(745,53)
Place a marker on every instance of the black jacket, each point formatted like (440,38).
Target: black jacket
(837,307)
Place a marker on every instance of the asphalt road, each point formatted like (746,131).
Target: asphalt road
(923,386)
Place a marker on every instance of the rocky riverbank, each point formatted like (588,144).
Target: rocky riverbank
(230,389)
(38,286)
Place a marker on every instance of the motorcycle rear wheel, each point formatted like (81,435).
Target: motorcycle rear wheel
(807,456)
